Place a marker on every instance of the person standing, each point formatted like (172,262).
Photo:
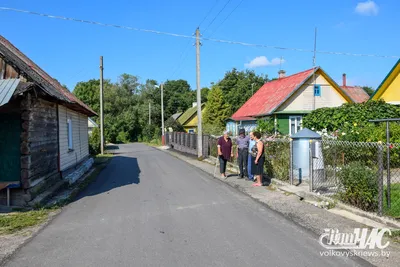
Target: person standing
(242,152)
(258,159)
(224,152)
(251,144)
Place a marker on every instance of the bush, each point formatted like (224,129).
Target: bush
(213,129)
(123,137)
(94,142)
(277,159)
(359,186)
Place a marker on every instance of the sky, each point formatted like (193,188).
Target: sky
(69,51)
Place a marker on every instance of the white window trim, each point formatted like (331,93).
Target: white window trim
(69,134)
(296,123)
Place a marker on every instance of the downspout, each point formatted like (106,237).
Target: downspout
(275,124)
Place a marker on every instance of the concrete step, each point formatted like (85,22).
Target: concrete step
(43,197)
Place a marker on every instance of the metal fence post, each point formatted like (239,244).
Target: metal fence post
(388,185)
(311,167)
(291,161)
(380,180)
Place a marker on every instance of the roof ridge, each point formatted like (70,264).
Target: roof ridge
(65,93)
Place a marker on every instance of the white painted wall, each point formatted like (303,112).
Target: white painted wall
(69,158)
(303,98)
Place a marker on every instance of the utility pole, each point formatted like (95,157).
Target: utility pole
(199,121)
(252,89)
(162,115)
(149,113)
(101,107)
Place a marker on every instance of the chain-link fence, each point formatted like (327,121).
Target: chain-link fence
(356,173)
(363,174)
(277,159)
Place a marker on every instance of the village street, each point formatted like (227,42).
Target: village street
(148,208)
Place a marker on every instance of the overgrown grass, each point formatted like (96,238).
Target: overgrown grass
(17,221)
(394,210)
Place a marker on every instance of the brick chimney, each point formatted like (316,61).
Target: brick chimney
(344,79)
(281,74)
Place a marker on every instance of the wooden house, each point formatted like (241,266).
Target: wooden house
(43,129)
(189,118)
(287,99)
(389,89)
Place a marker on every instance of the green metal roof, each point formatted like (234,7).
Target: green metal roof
(7,89)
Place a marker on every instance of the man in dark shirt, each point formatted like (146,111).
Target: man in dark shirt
(242,152)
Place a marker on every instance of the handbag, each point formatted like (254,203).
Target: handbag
(254,150)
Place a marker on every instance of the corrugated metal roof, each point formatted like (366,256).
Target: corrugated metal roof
(7,89)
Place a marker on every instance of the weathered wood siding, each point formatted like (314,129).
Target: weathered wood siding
(69,158)
(39,146)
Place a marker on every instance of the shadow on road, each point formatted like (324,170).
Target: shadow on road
(121,171)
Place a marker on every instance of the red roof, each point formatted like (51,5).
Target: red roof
(271,95)
(244,119)
(356,93)
(53,87)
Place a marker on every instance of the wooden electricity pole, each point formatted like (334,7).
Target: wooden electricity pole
(199,117)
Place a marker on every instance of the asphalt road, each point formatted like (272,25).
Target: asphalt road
(148,208)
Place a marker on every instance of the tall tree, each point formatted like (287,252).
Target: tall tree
(204,94)
(237,87)
(370,91)
(178,97)
(216,110)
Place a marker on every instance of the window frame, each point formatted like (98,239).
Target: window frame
(297,123)
(317,88)
(70,135)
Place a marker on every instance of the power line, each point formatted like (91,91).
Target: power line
(183,55)
(226,18)
(222,9)
(208,13)
(193,37)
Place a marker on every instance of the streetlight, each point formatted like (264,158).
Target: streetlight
(162,114)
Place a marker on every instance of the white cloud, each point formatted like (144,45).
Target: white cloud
(367,8)
(263,61)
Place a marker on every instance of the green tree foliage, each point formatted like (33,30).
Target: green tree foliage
(237,87)
(216,110)
(337,118)
(178,97)
(126,106)
(266,126)
(370,91)
(204,94)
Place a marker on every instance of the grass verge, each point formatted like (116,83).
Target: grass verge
(394,210)
(17,221)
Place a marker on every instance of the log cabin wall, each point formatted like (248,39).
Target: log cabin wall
(39,145)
